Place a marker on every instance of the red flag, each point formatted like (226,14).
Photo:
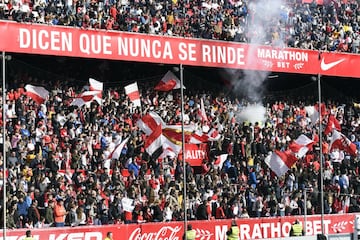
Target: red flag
(168,82)
(301,145)
(340,141)
(200,137)
(280,162)
(149,122)
(115,154)
(96,86)
(154,141)
(86,98)
(38,94)
(220,160)
(333,123)
(132,91)
(202,112)
(313,112)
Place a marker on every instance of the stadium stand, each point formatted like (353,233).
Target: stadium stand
(332,25)
(59,169)
(58,155)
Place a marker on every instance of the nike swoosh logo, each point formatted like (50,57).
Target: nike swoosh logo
(326,66)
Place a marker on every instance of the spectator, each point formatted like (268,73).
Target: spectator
(70,165)
(59,213)
(49,213)
(33,213)
(201,213)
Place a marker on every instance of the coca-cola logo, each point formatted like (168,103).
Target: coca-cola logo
(164,233)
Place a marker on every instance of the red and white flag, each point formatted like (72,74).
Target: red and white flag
(115,154)
(333,123)
(341,142)
(220,160)
(132,91)
(149,122)
(86,98)
(313,112)
(280,161)
(168,82)
(171,146)
(38,94)
(95,85)
(168,151)
(202,112)
(154,142)
(200,137)
(301,145)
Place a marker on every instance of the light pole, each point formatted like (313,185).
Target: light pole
(321,157)
(4,58)
(183,146)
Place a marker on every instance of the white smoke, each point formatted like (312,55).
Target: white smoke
(266,17)
(252,113)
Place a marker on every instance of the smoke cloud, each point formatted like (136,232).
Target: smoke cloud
(266,17)
(252,113)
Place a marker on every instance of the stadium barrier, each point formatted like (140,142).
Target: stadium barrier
(251,228)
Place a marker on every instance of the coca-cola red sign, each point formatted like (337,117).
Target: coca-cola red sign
(164,233)
(253,228)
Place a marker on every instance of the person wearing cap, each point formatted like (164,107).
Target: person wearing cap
(296,229)
(28,235)
(233,232)
(190,234)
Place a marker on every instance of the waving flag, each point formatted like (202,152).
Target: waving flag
(220,160)
(333,123)
(86,98)
(280,162)
(38,94)
(154,142)
(149,122)
(340,141)
(314,113)
(115,154)
(200,137)
(95,85)
(202,112)
(301,145)
(132,91)
(168,82)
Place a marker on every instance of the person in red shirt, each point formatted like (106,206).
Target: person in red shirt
(60,213)
(128,217)
(220,214)
(140,217)
(208,209)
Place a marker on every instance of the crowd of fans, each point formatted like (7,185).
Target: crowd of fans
(59,171)
(331,26)
(58,166)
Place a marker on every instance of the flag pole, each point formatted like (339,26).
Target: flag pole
(4,137)
(321,158)
(183,147)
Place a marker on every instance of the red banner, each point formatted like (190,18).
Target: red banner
(253,228)
(195,154)
(68,41)
(319,2)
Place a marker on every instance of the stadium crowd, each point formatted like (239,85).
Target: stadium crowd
(330,26)
(59,171)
